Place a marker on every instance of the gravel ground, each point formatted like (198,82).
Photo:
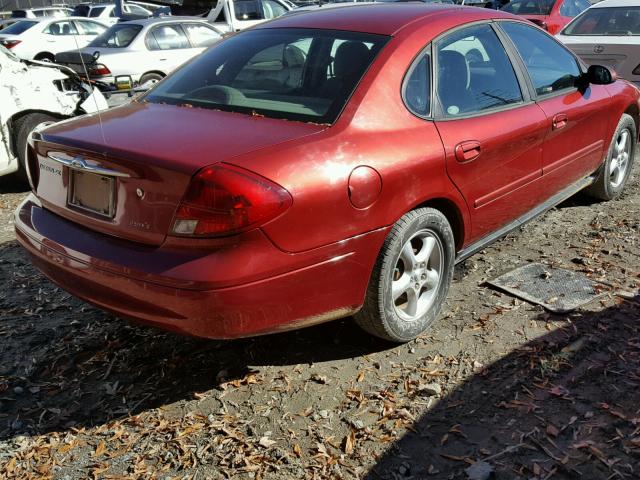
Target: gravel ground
(499,385)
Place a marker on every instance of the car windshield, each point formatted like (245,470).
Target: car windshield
(117,36)
(19,27)
(609,21)
(296,74)
(529,7)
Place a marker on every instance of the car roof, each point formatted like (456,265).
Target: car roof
(59,19)
(170,19)
(383,18)
(617,3)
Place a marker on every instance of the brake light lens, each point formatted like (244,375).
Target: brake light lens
(223,200)
(9,44)
(99,70)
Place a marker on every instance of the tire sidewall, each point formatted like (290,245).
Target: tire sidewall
(436,223)
(626,122)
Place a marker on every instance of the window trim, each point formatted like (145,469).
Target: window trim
(427,50)
(436,110)
(533,92)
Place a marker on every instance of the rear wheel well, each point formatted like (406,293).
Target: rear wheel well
(14,126)
(152,72)
(453,215)
(635,114)
(45,56)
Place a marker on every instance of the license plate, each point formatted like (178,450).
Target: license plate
(92,193)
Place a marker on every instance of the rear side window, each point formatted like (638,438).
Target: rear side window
(550,65)
(610,21)
(417,87)
(167,37)
(96,12)
(61,28)
(118,36)
(474,72)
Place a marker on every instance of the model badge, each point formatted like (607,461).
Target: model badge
(598,49)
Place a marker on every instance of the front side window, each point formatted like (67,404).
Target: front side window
(118,36)
(529,7)
(550,65)
(90,28)
(474,72)
(609,21)
(417,88)
(201,35)
(167,37)
(279,73)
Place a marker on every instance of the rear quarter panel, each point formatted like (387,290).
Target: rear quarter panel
(375,130)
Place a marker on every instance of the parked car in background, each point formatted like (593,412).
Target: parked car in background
(319,166)
(552,15)
(106,12)
(145,50)
(41,39)
(235,15)
(42,12)
(33,95)
(608,34)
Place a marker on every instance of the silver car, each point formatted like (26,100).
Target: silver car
(146,50)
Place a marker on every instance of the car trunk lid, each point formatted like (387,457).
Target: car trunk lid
(124,172)
(617,53)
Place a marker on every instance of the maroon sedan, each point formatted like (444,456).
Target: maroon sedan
(325,164)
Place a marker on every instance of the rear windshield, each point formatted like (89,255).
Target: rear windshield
(610,21)
(296,74)
(19,27)
(117,36)
(529,7)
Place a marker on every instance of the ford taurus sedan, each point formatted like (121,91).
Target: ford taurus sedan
(322,165)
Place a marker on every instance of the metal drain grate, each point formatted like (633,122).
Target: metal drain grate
(556,289)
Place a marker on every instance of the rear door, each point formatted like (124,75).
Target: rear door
(491,130)
(171,46)
(575,127)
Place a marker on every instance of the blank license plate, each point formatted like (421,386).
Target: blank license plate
(93,193)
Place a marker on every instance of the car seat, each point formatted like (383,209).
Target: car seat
(453,80)
(350,57)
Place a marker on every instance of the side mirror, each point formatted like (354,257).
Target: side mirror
(599,75)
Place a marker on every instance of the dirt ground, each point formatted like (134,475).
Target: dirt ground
(499,385)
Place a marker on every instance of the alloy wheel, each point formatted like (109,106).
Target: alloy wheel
(620,159)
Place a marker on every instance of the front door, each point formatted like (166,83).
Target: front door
(575,128)
(492,132)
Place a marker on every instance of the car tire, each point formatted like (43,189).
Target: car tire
(411,277)
(150,77)
(44,57)
(616,169)
(23,128)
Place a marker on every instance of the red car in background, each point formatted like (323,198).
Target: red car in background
(325,164)
(552,15)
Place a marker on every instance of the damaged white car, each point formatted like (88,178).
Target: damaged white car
(32,95)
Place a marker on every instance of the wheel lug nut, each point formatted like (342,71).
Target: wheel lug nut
(417,286)
(424,277)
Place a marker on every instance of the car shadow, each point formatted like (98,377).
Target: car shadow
(64,364)
(563,406)
(13,184)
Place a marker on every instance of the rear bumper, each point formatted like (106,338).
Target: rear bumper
(152,285)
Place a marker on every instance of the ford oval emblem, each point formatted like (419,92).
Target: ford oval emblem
(598,49)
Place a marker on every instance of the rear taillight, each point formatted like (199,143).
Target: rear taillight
(9,44)
(636,71)
(99,70)
(223,200)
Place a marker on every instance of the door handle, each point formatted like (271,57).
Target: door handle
(560,121)
(468,151)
